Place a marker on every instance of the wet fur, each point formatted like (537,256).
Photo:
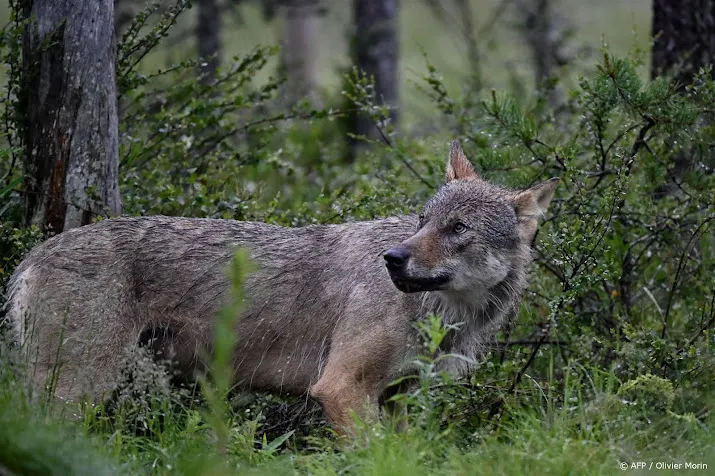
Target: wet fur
(323,316)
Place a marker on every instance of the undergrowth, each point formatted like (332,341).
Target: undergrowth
(610,360)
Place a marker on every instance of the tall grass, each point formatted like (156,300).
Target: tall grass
(589,423)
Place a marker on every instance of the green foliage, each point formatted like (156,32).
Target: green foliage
(32,446)
(11,157)
(185,144)
(650,394)
(613,255)
(31,443)
(221,370)
(14,244)
(609,360)
(137,42)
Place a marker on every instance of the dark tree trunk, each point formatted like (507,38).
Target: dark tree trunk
(208,38)
(376,52)
(69,107)
(124,12)
(299,48)
(464,10)
(684,32)
(539,26)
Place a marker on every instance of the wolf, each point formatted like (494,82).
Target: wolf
(330,309)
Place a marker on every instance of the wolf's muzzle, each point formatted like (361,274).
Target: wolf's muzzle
(417,285)
(396,260)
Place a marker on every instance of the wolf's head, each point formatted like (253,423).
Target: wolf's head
(471,234)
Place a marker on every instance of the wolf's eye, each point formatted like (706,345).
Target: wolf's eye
(459,227)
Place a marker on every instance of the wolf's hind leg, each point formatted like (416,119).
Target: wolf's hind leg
(71,361)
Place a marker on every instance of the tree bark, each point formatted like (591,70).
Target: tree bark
(208,38)
(684,32)
(546,34)
(69,108)
(539,25)
(464,10)
(299,48)
(124,13)
(376,50)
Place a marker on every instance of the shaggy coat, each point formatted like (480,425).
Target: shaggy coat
(330,309)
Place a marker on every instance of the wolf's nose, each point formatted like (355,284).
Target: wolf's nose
(396,258)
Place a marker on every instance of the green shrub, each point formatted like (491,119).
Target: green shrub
(622,287)
(651,395)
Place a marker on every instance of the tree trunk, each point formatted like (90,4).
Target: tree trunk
(208,38)
(465,12)
(124,13)
(69,107)
(376,49)
(299,48)
(539,25)
(684,32)
(546,34)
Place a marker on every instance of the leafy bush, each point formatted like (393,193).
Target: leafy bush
(610,358)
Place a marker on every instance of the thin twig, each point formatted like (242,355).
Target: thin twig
(403,159)
(681,265)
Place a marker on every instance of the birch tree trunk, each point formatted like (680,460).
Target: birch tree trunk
(300,23)
(546,33)
(69,104)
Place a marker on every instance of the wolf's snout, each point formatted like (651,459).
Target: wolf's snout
(396,258)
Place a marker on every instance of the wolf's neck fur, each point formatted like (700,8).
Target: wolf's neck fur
(475,321)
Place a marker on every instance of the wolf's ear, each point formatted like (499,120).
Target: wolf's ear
(531,204)
(458,166)
(534,202)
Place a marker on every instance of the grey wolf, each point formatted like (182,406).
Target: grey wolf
(330,309)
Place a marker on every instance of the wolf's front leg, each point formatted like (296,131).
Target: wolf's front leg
(355,375)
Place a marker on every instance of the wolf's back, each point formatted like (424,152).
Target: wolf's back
(94,289)
(97,289)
